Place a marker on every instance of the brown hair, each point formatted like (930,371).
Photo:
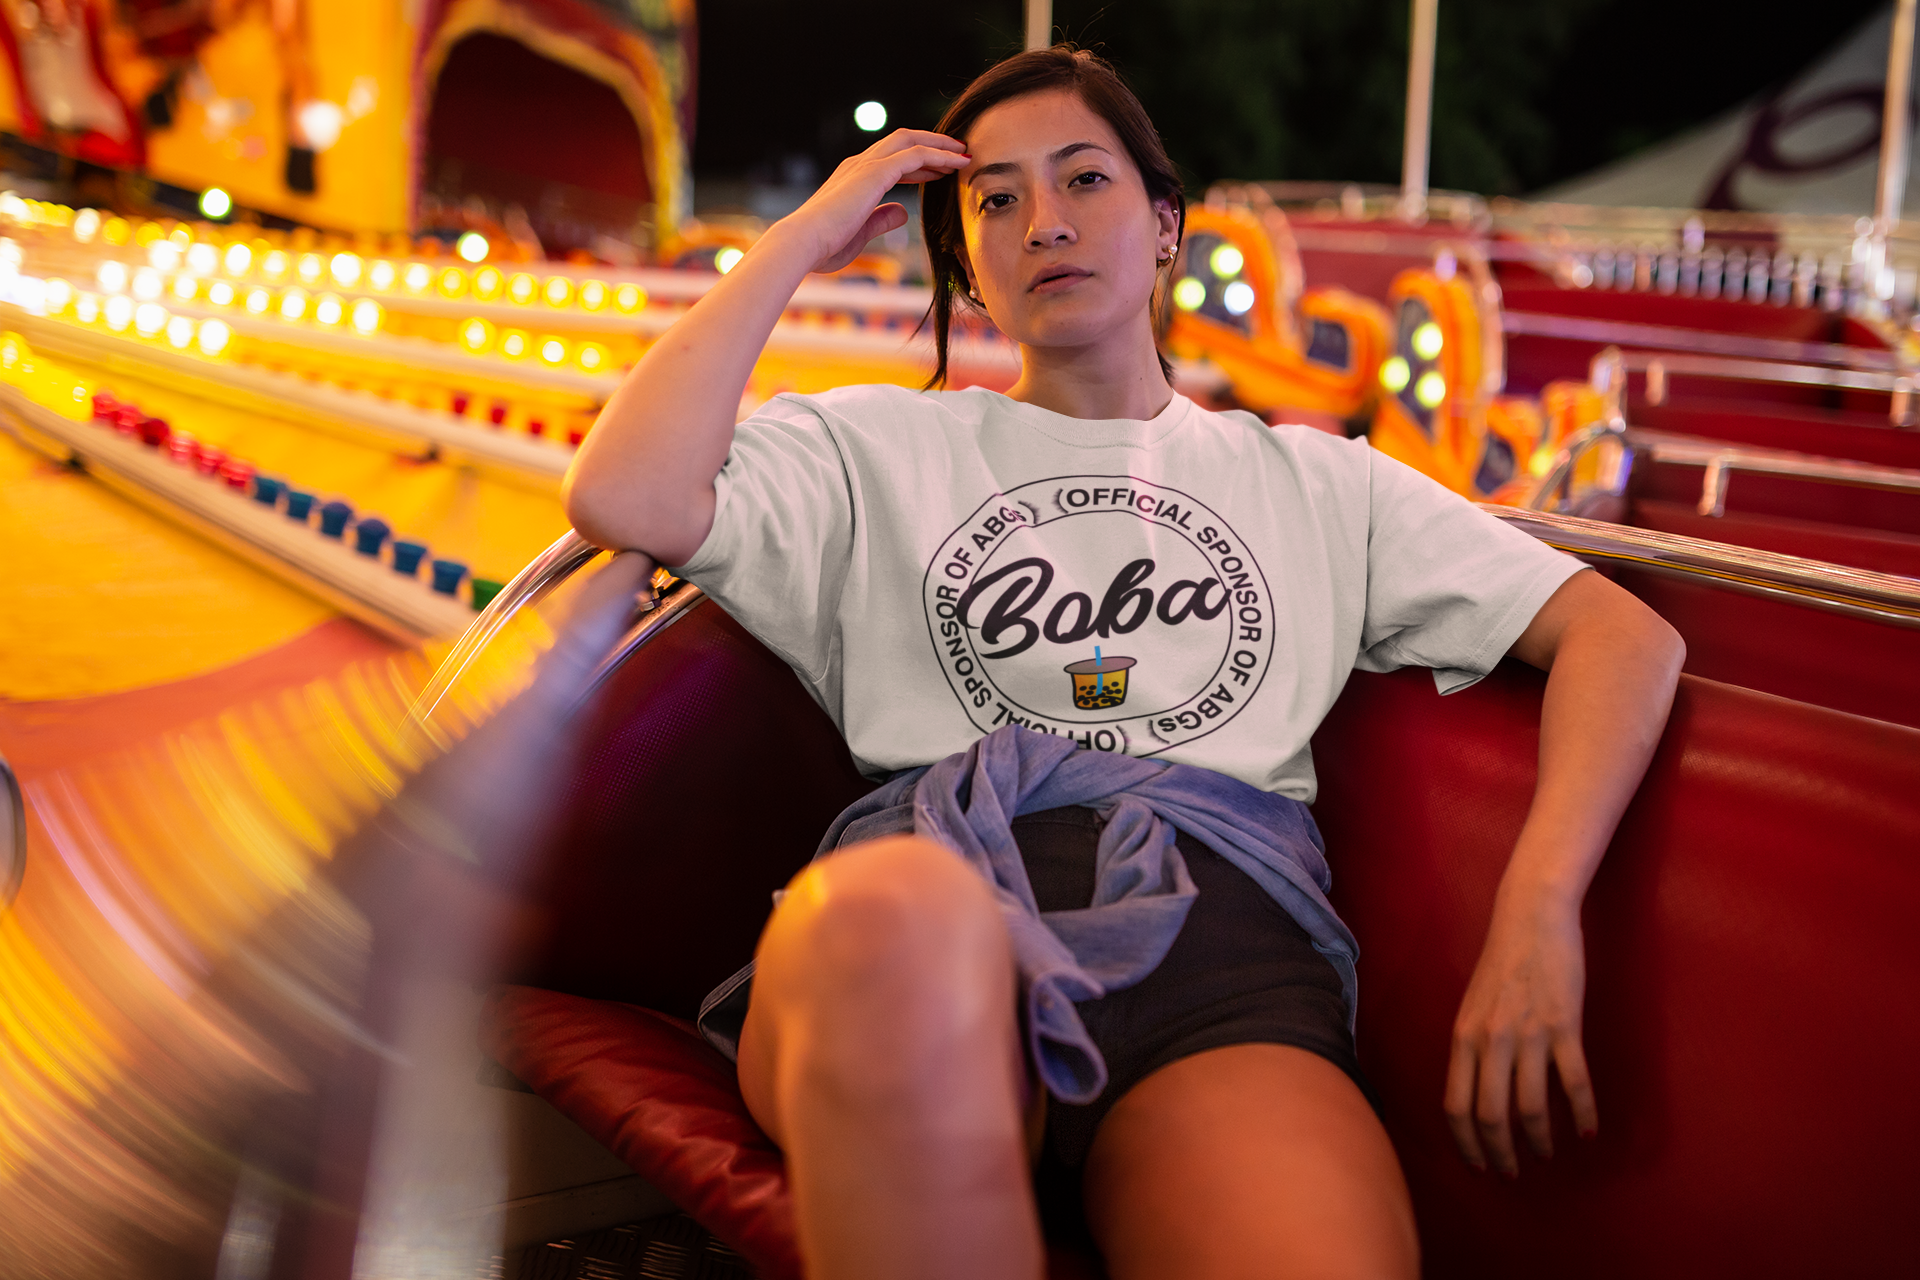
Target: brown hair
(1100,87)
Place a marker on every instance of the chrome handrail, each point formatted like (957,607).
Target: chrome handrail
(13,836)
(568,554)
(1673,338)
(662,602)
(1816,584)
(1722,460)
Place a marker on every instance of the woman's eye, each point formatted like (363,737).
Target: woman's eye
(1088,178)
(998,200)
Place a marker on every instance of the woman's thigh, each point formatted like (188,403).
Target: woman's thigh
(1257,1160)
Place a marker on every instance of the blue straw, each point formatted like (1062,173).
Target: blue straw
(1100,677)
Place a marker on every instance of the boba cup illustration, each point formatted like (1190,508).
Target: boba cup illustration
(1099,682)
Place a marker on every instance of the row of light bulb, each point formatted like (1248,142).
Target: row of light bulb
(169,252)
(351,271)
(120,313)
(147,285)
(481,336)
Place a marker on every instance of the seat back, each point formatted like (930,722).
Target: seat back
(708,775)
(1750,966)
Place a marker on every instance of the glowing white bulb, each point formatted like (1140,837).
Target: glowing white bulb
(215,203)
(870,117)
(180,333)
(59,293)
(1238,297)
(1394,373)
(146,284)
(150,319)
(1227,261)
(238,259)
(727,259)
(1427,340)
(380,275)
(1430,390)
(419,277)
(329,310)
(346,269)
(309,268)
(202,258)
(86,308)
(1189,293)
(220,293)
(553,351)
(164,255)
(366,317)
(472,246)
(185,288)
(86,225)
(293,304)
(112,276)
(119,312)
(258,300)
(214,336)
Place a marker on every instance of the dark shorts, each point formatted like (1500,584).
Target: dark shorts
(1241,972)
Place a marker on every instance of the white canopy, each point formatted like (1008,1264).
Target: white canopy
(1813,146)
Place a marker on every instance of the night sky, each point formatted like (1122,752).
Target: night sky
(1527,93)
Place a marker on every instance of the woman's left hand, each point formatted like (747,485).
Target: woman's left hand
(1522,1009)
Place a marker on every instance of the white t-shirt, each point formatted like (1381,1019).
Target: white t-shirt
(1195,587)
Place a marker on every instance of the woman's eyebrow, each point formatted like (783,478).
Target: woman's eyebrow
(1013,166)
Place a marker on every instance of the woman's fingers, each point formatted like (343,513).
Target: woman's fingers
(1530,1094)
(1490,1103)
(1462,1070)
(1570,1059)
(900,139)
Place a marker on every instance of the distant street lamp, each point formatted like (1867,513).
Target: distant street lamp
(871,117)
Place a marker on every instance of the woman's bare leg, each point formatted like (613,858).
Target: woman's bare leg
(1259,1161)
(881,1052)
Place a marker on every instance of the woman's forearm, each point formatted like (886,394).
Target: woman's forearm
(643,479)
(1609,689)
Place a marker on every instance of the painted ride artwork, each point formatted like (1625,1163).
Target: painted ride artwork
(305,311)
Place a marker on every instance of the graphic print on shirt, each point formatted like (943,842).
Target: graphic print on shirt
(1124,614)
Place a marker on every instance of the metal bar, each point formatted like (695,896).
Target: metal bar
(358,585)
(1894,119)
(1039,24)
(1814,584)
(1745,370)
(1418,138)
(560,561)
(1672,338)
(289,395)
(1691,451)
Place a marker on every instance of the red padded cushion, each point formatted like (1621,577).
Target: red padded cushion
(662,1099)
(1855,665)
(1826,433)
(1751,975)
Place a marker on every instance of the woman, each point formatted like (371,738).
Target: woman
(957,576)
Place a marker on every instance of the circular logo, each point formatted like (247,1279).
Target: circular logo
(1118,612)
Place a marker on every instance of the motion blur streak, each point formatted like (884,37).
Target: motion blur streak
(178,973)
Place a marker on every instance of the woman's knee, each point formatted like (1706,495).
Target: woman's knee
(899,929)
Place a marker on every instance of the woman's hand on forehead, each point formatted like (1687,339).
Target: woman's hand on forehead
(838,220)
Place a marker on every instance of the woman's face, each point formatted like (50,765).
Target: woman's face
(1062,243)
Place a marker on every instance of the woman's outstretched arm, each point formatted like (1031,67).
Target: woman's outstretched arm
(643,479)
(1612,665)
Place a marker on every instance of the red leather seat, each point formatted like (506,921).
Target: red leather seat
(1748,1019)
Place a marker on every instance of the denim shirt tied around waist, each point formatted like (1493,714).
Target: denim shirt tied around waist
(1141,889)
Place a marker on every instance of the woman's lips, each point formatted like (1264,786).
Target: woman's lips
(1054,279)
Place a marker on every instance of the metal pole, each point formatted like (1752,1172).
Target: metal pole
(1894,117)
(1413,161)
(1039,24)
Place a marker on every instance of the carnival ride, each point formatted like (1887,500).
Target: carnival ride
(338,445)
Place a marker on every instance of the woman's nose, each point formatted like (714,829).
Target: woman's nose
(1049,226)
